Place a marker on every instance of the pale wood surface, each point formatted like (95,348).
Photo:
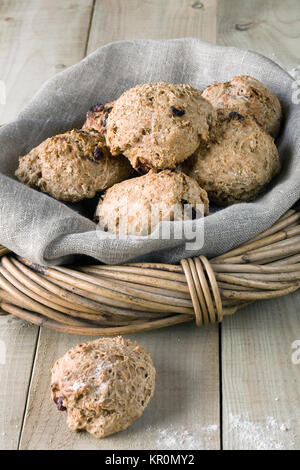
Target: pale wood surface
(38,38)
(17,349)
(156,19)
(271,27)
(195,421)
(179,416)
(260,385)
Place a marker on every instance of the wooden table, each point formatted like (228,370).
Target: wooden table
(232,386)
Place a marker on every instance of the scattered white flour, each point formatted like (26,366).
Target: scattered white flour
(103,387)
(102,365)
(283,427)
(210,428)
(267,435)
(173,438)
(76,386)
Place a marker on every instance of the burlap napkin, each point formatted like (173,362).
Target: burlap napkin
(46,231)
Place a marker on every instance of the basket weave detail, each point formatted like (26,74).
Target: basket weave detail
(108,300)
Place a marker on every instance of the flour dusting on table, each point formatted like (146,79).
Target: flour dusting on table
(266,435)
(179,437)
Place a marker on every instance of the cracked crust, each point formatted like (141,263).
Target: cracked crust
(97,115)
(246,95)
(158,125)
(72,166)
(104,385)
(137,206)
(238,164)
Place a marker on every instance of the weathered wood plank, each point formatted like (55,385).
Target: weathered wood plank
(179,416)
(183,414)
(38,39)
(271,27)
(155,19)
(261,384)
(17,346)
(253,366)
(260,397)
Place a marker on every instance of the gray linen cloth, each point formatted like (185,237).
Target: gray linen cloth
(38,227)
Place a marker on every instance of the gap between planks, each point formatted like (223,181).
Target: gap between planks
(38,336)
(209,34)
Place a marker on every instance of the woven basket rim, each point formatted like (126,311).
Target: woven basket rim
(109,300)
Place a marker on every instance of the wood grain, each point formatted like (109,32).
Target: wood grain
(271,27)
(261,385)
(156,19)
(183,414)
(17,347)
(179,416)
(38,38)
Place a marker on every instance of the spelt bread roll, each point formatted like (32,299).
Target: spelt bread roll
(103,385)
(246,95)
(72,166)
(158,125)
(237,164)
(137,206)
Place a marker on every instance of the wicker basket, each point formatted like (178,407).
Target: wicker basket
(108,300)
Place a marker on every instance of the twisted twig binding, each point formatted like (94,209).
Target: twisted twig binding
(204,290)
